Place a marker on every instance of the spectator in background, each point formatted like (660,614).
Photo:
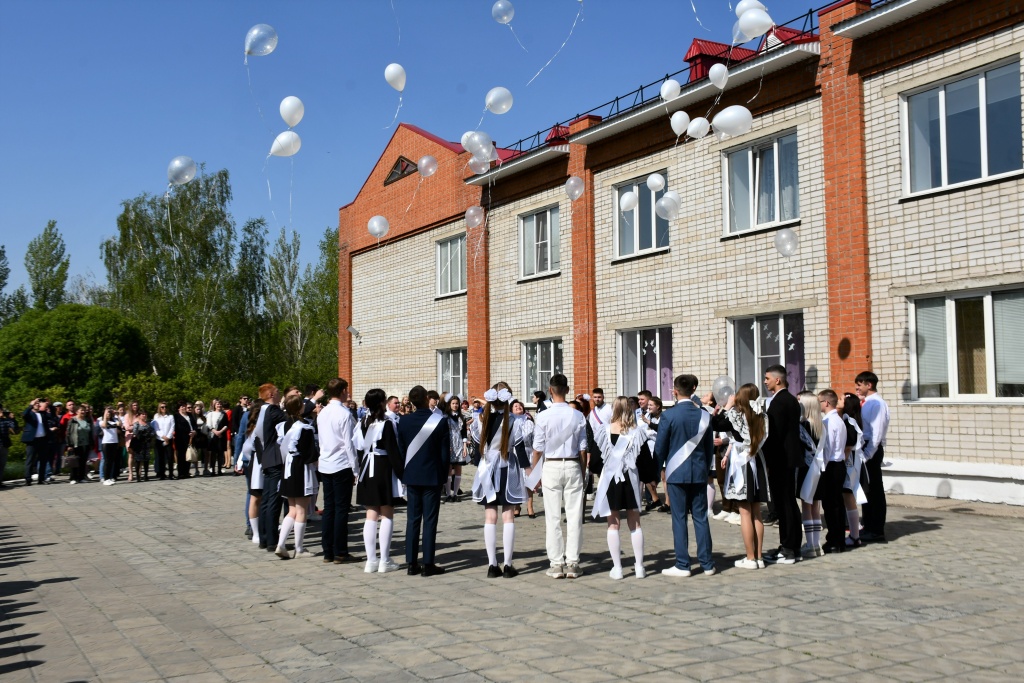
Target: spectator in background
(7,429)
(217,425)
(37,435)
(183,431)
(163,427)
(540,400)
(111,442)
(80,439)
(142,445)
(201,437)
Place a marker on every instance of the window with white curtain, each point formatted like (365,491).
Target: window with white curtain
(451,265)
(766,340)
(541,360)
(539,243)
(969,345)
(451,372)
(762,184)
(965,129)
(640,229)
(646,362)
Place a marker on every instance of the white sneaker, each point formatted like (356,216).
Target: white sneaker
(72,482)
(676,572)
(760,564)
(108,482)
(49,480)
(720,516)
(35,477)
(733,518)
(386,566)
(615,574)
(556,572)
(371,567)
(90,476)
(747,564)
(303,553)
(639,571)
(711,572)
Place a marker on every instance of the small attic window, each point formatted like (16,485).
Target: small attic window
(402,168)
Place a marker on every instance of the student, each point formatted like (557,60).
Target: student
(298,447)
(875,416)
(830,487)
(376,440)
(460,452)
(809,473)
(853,492)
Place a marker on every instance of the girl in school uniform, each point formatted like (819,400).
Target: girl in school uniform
(854,494)
(376,439)
(460,455)
(298,446)
(809,473)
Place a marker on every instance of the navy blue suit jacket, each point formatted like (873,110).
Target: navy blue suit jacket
(678,425)
(429,465)
(28,430)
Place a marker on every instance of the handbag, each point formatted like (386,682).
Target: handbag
(192,454)
(70,461)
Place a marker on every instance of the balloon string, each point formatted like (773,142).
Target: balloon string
(758,86)
(291,186)
(252,92)
(270,197)
(396,113)
(697,17)
(579,16)
(413,197)
(517,38)
(481,121)
(399,28)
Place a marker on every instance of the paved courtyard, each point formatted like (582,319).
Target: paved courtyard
(154,581)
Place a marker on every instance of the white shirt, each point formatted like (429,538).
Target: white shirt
(392,416)
(875,416)
(164,426)
(337,451)
(109,433)
(552,423)
(601,416)
(40,432)
(835,437)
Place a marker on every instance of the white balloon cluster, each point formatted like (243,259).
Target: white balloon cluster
(288,143)
(752,21)
(479,144)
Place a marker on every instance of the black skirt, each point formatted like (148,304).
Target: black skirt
(376,491)
(760,493)
(499,495)
(295,485)
(621,496)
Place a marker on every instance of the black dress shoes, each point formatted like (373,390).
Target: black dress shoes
(510,572)
(432,570)
(414,569)
(493,572)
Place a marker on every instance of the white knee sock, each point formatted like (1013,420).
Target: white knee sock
(300,533)
(508,541)
(808,532)
(456,480)
(447,487)
(286,528)
(491,542)
(386,529)
(815,533)
(853,517)
(614,548)
(711,500)
(637,537)
(254,524)
(370,539)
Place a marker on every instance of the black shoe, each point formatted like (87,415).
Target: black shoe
(414,569)
(854,543)
(263,546)
(869,537)
(831,549)
(432,570)
(510,572)
(248,533)
(493,572)
(460,492)
(652,505)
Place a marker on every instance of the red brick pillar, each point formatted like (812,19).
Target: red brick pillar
(478,312)
(846,221)
(344,305)
(584,284)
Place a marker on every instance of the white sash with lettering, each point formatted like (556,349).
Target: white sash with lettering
(535,476)
(684,453)
(249,450)
(619,464)
(814,470)
(854,463)
(421,437)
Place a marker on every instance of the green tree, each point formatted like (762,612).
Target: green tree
(319,293)
(284,303)
(84,349)
(47,268)
(247,302)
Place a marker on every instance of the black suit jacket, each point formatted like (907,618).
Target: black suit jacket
(268,451)
(429,465)
(182,428)
(783,446)
(32,418)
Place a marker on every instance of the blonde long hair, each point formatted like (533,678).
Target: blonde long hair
(622,414)
(810,410)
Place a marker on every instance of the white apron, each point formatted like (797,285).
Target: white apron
(619,465)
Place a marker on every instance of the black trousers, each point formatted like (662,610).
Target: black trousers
(37,452)
(111,460)
(833,508)
(423,506)
(78,472)
(270,505)
(164,463)
(782,483)
(334,520)
(181,451)
(875,508)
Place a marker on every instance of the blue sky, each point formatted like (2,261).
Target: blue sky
(99,95)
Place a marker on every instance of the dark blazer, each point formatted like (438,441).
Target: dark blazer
(182,427)
(783,446)
(268,451)
(32,418)
(678,425)
(429,465)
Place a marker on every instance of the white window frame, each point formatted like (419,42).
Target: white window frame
(620,341)
(940,85)
(440,252)
(639,185)
(759,372)
(523,275)
(952,367)
(753,178)
(453,354)
(524,356)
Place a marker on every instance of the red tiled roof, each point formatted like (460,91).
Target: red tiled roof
(711,48)
(453,146)
(789,36)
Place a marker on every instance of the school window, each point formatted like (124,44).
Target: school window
(766,340)
(640,229)
(968,345)
(646,361)
(539,243)
(451,372)
(965,129)
(541,360)
(451,265)
(762,184)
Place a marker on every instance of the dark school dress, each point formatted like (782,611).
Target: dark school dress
(377,490)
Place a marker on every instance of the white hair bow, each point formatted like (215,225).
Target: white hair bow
(491,395)
(756,407)
(585,397)
(504,395)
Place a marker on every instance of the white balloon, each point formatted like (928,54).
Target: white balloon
(286,144)
(574,188)
(292,110)
(260,40)
(738,36)
(465,140)
(181,170)
(656,182)
(427,166)
(480,144)
(743,5)
(474,216)
(718,75)
(722,388)
(394,74)
(479,166)
(698,128)
(502,11)
(680,120)
(787,242)
(755,22)
(378,226)
(628,201)
(498,100)
(734,120)
(670,89)
(674,196)
(666,208)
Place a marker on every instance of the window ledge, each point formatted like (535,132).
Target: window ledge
(965,401)
(642,254)
(450,295)
(967,184)
(539,276)
(760,230)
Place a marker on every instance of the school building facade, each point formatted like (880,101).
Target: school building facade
(887,135)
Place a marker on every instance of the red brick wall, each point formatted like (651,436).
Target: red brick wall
(584,281)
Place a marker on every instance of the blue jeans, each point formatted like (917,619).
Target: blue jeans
(423,505)
(690,499)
